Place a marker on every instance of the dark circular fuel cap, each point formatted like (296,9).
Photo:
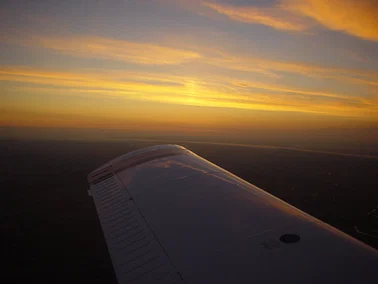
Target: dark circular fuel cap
(290,238)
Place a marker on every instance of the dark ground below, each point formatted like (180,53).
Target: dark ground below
(50,227)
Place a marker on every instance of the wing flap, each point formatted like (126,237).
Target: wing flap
(136,254)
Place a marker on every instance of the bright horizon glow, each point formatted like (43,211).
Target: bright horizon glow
(192,66)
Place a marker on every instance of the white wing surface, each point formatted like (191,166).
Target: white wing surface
(170,216)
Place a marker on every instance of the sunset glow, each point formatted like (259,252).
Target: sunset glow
(206,65)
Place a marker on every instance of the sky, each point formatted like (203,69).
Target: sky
(199,68)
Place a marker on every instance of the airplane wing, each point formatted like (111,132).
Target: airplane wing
(170,216)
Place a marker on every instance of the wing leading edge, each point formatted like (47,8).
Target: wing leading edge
(170,216)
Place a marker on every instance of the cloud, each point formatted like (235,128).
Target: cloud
(154,54)
(272,17)
(276,68)
(127,51)
(226,87)
(285,89)
(355,17)
(112,49)
(186,91)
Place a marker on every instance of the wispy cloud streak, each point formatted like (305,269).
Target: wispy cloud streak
(272,17)
(185,91)
(354,17)
(154,54)
(277,68)
(112,49)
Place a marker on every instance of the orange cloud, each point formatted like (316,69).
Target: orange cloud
(355,17)
(142,53)
(101,80)
(272,17)
(186,91)
(105,48)
(285,89)
(275,68)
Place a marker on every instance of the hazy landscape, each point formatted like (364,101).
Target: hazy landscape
(50,225)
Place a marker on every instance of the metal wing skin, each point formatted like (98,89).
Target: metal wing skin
(170,216)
